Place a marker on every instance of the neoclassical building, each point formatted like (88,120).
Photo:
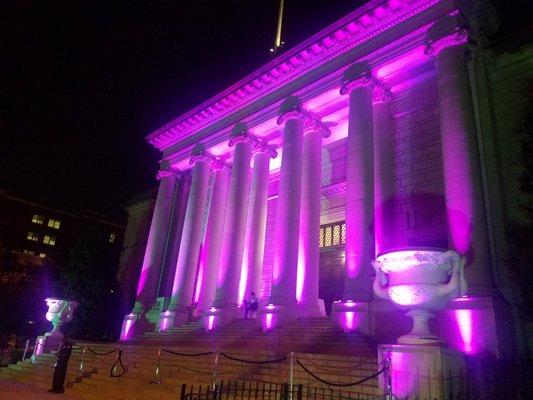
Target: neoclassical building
(376,134)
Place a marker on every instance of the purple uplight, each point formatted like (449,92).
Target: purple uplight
(300,273)
(464,319)
(127,326)
(210,322)
(269,319)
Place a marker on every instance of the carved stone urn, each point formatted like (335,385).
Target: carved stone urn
(59,313)
(421,281)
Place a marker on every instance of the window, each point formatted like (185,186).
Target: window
(33,236)
(49,240)
(54,223)
(37,219)
(112,237)
(332,235)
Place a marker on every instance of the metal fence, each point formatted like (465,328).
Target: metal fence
(259,390)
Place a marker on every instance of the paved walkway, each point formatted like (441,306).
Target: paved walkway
(19,391)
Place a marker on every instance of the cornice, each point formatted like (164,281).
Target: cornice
(369,21)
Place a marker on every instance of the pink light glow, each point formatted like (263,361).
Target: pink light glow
(126,330)
(411,58)
(300,273)
(403,383)
(349,320)
(244,274)
(322,99)
(465,324)
(165,321)
(269,319)
(210,322)
(200,279)
(145,272)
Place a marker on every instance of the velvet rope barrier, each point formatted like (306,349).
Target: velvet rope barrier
(254,362)
(342,384)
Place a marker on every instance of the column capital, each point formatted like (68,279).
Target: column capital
(219,163)
(313,122)
(166,170)
(355,76)
(381,94)
(262,146)
(446,32)
(200,154)
(240,133)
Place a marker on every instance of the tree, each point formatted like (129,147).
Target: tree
(89,277)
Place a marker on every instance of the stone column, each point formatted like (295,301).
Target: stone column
(226,298)
(352,313)
(252,266)
(154,255)
(467,225)
(282,301)
(359,191)
(210,258)
(383,177)
(178,218)
(309,249)
(179,310)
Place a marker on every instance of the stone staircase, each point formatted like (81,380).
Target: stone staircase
(308,335)
(332,355)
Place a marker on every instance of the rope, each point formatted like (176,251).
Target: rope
(254,362)
(101,354)
(341,384)
(187,355)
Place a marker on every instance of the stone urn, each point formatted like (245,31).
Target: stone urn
(421,281)
(59,313)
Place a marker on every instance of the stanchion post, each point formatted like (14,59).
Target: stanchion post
(291,375)
(25,349)
(114,369)
(157,380)
(388,379)
(215,370)
(82,362)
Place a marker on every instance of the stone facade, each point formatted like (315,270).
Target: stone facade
(392,96)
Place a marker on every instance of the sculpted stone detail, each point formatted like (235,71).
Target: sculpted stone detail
(421,281)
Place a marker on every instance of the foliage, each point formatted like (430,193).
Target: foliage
(89,277)
(23,280)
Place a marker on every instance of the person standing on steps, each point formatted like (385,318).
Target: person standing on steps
(251,306)
(60,370)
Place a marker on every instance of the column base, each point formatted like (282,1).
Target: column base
(419,371)
(275,315)
(141,320)
(351,316)
(217,317)
(311,309)
(174,317)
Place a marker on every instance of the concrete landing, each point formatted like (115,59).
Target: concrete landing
(19,391)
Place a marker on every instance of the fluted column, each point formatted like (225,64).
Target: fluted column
(282,299)
(227,293)
(359,191)
(182,290)
(467,225)
(154,255)
(252,266)
(309,248)
(155,245)
(210,258)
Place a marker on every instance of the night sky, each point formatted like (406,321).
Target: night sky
(83,82)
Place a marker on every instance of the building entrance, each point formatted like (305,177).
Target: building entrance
(331,277)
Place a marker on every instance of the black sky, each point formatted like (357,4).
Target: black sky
(83,82)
